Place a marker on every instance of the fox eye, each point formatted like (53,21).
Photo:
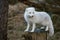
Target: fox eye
(33,12)
(29,12)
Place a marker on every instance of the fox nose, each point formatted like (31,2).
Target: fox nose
(30,16)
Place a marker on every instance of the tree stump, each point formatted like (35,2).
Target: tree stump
(34,36)
(3,19)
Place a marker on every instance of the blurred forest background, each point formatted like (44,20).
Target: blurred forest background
(16,22)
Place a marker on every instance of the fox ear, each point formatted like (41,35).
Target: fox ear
(26,10)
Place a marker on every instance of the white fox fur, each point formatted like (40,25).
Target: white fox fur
(32,17)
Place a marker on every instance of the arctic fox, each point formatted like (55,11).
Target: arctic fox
(33,17)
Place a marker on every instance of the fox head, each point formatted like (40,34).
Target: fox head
(30,12)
